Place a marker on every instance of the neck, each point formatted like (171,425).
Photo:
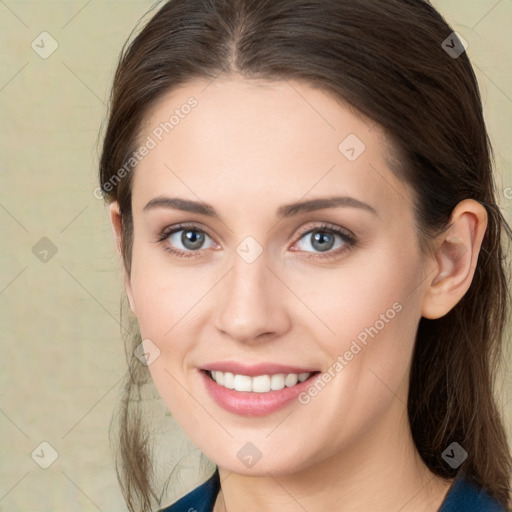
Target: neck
(381,471)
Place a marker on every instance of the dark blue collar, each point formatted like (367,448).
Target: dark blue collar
(201,499)
(462,496)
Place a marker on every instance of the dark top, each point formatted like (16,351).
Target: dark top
(462,496)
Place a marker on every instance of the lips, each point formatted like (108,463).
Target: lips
(262,400)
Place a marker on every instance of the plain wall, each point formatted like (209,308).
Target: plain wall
(62,352)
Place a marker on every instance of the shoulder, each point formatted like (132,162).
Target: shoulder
(200,499)
(465,496)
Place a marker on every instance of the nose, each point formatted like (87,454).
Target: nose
(252,303)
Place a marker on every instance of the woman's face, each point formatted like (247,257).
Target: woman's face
(259,283)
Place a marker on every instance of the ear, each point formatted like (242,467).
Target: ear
(456,258)
(116,221)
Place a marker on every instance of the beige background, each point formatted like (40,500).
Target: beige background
(63,356)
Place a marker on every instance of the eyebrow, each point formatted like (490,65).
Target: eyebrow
(284,211)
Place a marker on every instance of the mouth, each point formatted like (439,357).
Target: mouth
(265,383)
(257,394)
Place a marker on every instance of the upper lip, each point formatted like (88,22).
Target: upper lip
(252,370)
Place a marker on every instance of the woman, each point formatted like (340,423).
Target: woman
(245,134)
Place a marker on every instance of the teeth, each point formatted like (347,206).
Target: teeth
(303,376)
(258,384)
(243,383)
(277,381)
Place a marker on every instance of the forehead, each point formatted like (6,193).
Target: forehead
(247,142)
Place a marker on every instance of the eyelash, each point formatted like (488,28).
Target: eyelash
(349,240)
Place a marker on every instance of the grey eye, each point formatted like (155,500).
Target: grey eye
(321,240)
(190,239)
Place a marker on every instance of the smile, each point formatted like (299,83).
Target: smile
(258,383)
(256,395)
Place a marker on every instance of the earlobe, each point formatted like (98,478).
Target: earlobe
(115,219)
(456,259)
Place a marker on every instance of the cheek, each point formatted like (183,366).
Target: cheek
(164,308)
(162,293)
(370,296)
(372,311)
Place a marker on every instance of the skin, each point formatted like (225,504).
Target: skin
(246,149)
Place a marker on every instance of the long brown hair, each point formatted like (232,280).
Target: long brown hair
(390,61)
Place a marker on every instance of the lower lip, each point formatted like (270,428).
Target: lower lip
(245,403)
